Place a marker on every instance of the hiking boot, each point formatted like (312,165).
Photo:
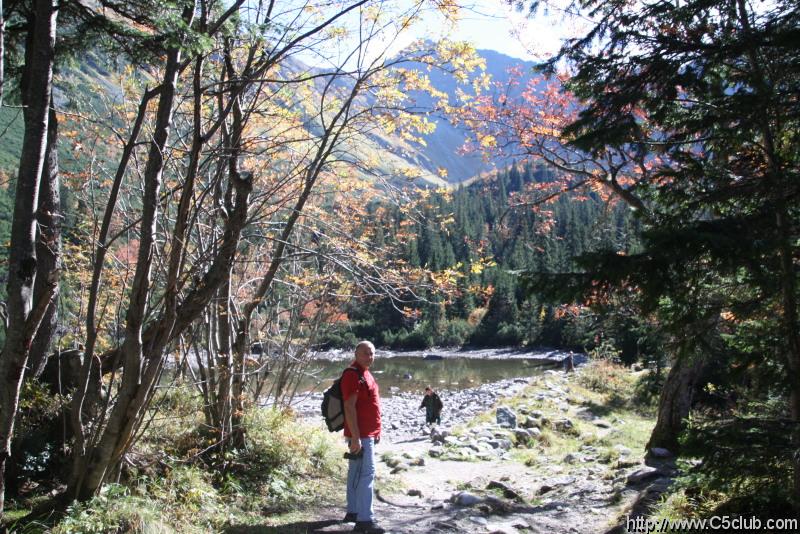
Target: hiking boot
(350,517)
(368,527)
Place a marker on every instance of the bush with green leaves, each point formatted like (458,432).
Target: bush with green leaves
(456,333)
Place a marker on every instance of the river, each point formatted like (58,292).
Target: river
(442,369)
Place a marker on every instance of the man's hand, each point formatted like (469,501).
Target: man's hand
(377,439)
(355,445)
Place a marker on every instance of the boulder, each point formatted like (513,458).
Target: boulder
(506,417)
(571,458)
(643,474)
(530,422)
(438,436)
(502,444)
(465,498)
(523,435)
(563,425)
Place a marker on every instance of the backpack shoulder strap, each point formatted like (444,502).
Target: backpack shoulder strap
(356,369)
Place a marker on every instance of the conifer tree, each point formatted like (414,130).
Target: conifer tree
(707,90)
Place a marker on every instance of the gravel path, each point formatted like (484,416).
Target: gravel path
(432,482)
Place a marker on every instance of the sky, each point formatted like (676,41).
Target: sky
(494,25)
(487,24)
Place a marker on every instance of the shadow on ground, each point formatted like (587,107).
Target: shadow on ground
(399,519)
(291,528)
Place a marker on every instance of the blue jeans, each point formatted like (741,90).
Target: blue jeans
(361,481)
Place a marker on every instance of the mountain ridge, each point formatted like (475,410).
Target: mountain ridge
(439,161)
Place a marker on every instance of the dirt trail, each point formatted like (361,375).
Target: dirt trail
(550,496)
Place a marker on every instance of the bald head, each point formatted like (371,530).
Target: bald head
(365,354)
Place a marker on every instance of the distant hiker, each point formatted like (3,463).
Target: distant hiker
(433,407)
(362,428)
(569,363)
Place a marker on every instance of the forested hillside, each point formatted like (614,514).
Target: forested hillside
(482,236)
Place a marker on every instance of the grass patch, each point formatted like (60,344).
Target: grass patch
(600,389)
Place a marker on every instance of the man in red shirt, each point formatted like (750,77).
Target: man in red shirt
(362,429)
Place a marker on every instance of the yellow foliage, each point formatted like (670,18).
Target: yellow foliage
(488,141)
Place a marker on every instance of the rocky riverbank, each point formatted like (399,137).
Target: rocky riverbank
(436,353)
(403,419)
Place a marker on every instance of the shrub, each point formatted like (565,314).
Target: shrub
(37,433)
(456,333)
(419,338)
(754,474)
(606,350)
(337,339)
(509,334)
(114,510)
(606,377)
(647,390)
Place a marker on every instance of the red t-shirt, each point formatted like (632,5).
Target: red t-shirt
(368,404)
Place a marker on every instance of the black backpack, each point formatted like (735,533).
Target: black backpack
(437,403)
(332,403)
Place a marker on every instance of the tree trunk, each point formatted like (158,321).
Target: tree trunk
(24,314)
(122,424)
(675,403)
(48,249)
(224,364)
(91,467)
(88,391)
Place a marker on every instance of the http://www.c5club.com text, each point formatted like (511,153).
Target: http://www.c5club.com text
(721,523)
